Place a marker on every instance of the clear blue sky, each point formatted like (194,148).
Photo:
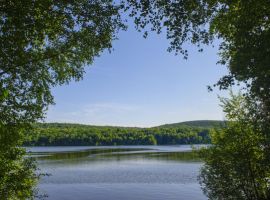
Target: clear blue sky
(141,84)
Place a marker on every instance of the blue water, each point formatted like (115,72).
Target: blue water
(119,173)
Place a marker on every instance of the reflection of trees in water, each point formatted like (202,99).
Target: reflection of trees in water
(81,154)
(115,154)
(180,156)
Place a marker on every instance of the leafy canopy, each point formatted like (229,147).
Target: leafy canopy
(242,26)
(46,43)
(42,44)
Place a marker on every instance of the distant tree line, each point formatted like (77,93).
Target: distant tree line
(56,134)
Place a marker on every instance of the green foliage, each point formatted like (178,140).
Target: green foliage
(18,176)
(237,165)
(47,43)
(242,26)
(197,123)
(184,21)
(75,134)
(42,44)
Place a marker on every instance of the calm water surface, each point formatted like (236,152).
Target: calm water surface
(119,173)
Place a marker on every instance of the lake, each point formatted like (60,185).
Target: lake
(119,173)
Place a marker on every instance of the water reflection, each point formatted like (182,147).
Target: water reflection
(117,173)
(118,154)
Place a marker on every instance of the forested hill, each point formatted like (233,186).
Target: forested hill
(64,134)
(197,123)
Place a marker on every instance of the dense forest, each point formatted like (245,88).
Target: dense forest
(61,134)
(208,124)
